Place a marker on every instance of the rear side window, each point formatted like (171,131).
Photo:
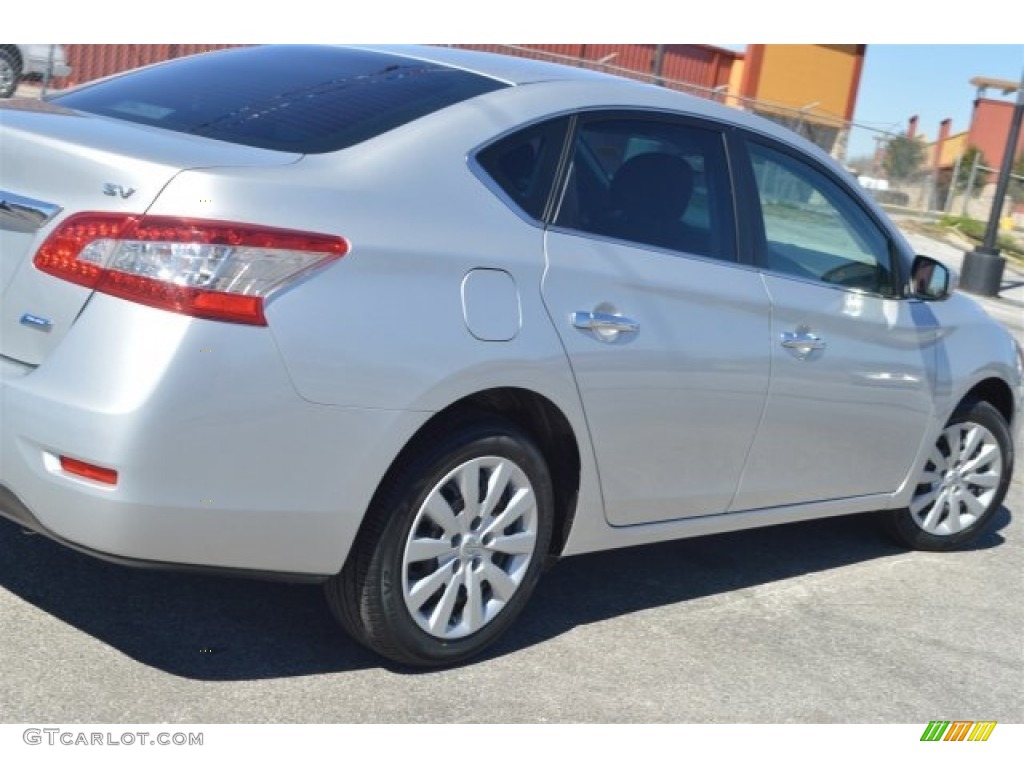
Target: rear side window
(524,164)
(654,183)
(295,98)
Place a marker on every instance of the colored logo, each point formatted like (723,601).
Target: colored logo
(959,730)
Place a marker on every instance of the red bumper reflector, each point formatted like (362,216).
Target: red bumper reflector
(88,471)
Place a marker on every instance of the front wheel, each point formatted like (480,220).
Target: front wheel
(452,546)
(962,483)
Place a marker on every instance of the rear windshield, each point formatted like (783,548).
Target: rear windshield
(306,99)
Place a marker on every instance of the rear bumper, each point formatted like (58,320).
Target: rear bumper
(12,508)
(220,463)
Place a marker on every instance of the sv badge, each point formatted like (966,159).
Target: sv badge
(116,190)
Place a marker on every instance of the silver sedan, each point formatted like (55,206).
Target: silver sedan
(413,322)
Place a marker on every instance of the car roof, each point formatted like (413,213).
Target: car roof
(513,70)
(601,88)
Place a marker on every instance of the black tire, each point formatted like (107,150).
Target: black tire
(10,72)
(374,596)
(949,511)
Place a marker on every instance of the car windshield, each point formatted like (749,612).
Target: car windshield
(305,99)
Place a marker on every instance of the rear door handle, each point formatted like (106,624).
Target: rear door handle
(804,342)
(604,324)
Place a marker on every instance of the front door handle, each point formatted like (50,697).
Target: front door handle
(605,325)
(803,342)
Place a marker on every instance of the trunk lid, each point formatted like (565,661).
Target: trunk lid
(55,162)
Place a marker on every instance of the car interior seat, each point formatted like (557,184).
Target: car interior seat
(647,198)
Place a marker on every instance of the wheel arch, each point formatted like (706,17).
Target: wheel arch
(536,415)
(996,393)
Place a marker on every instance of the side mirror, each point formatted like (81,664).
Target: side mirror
(931,280)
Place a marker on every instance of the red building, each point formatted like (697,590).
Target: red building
(704,66)
(990,125)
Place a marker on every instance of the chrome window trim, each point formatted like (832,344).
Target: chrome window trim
(560,230)
(832,286)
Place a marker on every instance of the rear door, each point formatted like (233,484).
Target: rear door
(852,361)
(665,328)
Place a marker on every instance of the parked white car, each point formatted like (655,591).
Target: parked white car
(415,321)
(19,62)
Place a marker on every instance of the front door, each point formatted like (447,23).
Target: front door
(852,362)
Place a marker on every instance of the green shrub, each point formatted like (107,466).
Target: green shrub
(975,230)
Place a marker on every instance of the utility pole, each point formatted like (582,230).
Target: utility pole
(982,271)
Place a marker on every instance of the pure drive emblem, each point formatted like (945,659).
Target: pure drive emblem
(34,321)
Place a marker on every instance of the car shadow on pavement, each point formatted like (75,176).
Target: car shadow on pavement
(214,628)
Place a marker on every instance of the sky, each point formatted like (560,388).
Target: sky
(915,63)
(931,81)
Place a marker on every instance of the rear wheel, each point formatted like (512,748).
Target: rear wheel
(962,483)
(452,547)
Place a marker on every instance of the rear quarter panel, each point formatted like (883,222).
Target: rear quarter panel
(384,327)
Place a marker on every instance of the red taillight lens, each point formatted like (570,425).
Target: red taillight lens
(213,269)
(88,471)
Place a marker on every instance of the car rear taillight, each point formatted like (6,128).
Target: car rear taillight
(212,269)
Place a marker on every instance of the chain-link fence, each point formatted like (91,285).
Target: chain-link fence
(688,69)
(672,69)
(964,189)
(703,65)
(968,191)
(702,71)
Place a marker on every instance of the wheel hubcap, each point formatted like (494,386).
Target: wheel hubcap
(469,547)
(960,480)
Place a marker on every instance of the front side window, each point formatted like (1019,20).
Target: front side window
(815,230)
(653,183)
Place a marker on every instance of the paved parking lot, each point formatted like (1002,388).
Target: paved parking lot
(826,621)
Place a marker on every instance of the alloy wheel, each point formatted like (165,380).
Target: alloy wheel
(960,480)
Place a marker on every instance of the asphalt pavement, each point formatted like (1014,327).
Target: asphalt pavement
(820,622)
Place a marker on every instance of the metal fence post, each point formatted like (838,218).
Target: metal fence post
(952,184)
(49,70)
(970,182)
(658,64)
